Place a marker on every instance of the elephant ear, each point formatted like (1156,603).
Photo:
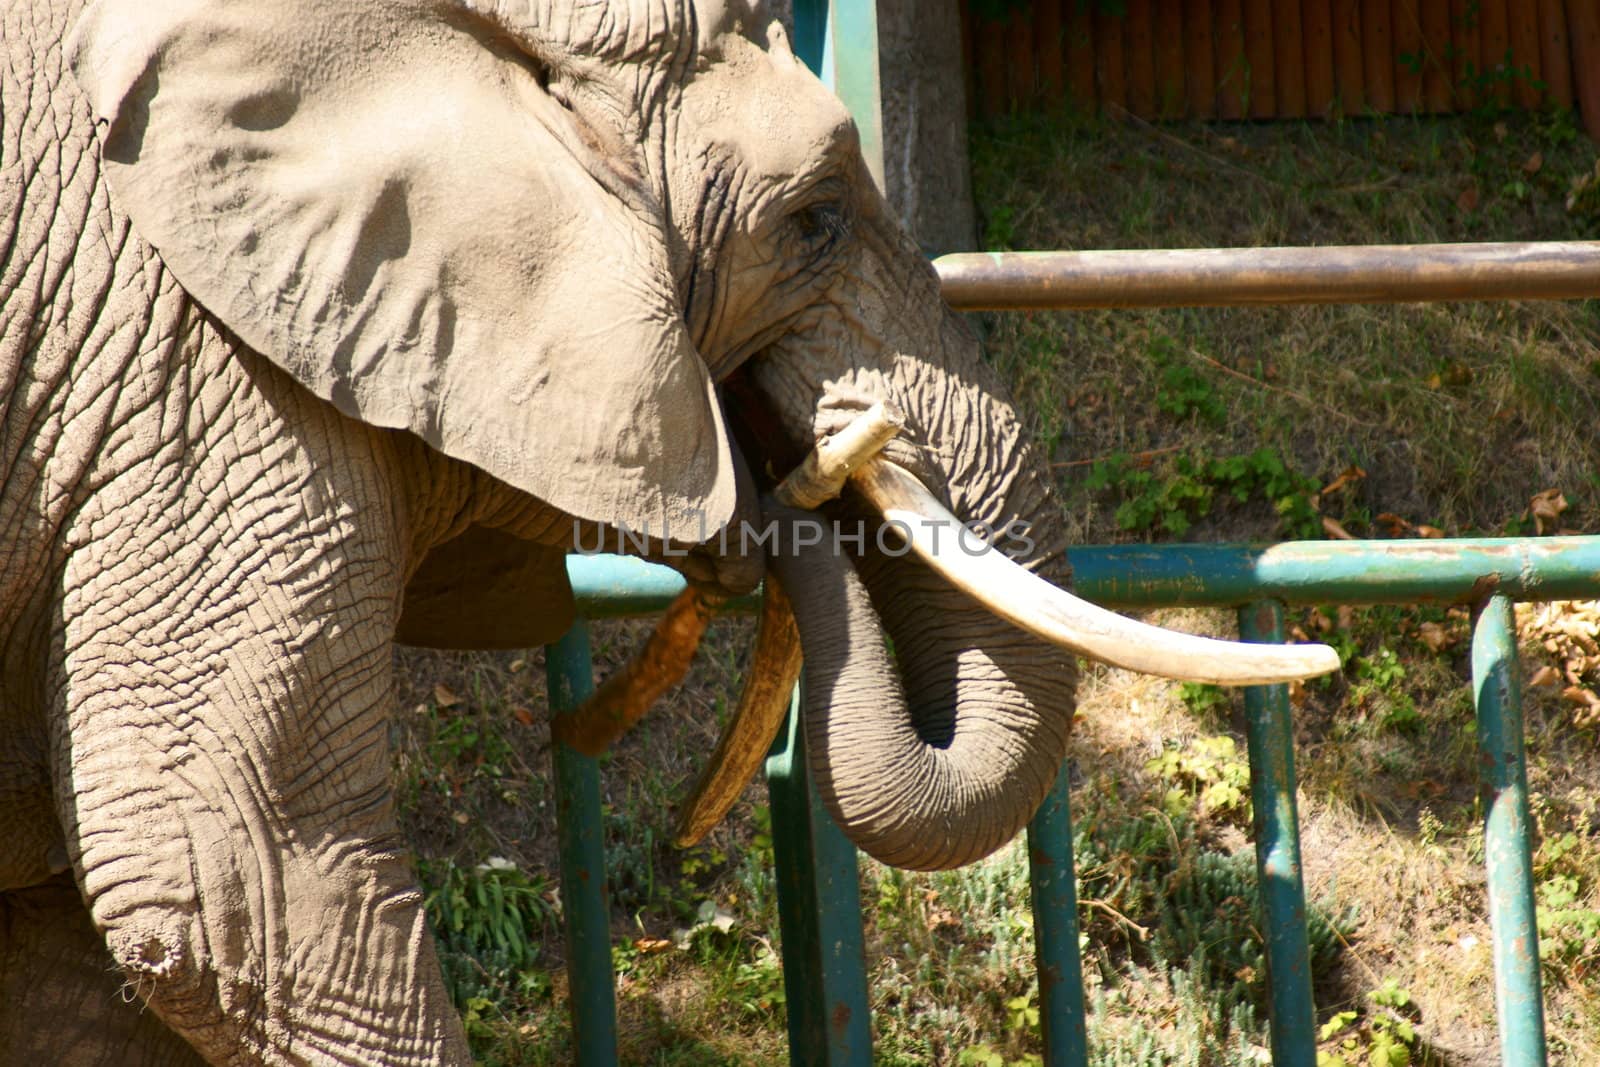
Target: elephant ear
(382,198)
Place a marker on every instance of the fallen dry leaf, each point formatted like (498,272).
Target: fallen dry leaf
(1468,199)
(522,715)
(1546,509)
(1436,636)
(649,945)
(1581,696)
(1396,526)
(1334,530)
(1545,676)
(1533,164)
(1429,531)
(1348,476)
(444,696)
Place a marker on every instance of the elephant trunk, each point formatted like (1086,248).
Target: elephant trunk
(933,747)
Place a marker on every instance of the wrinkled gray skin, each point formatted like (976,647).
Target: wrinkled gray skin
(208,546)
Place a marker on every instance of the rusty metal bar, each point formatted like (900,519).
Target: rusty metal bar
(1226,277)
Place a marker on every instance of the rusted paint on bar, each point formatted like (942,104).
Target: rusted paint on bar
(1223,277)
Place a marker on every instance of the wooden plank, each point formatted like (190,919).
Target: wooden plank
(1406,20)
(1525,58)
(1316,22)
(1496,49)
(1109,60)
(1289,59)
(1233,66)
(1436,75)
(1199,56)
(1555,52)
(1080,55)
(1260,52)
(1466,51)
(991,45)
(1020,74)
(1349,79)
(1583,26)
(1139,38)
(1377,50)
(1169,59)
(1047,52)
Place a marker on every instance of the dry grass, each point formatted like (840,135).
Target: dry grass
(1458,415)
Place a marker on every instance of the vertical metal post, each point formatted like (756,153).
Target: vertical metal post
(819,897)
(839,42)
(819,913)
(1055,929)
(1277,833)
(569,675)
(1503,786)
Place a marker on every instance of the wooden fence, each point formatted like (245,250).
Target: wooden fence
(1261,59)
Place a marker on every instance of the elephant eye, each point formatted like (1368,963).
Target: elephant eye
(820,226)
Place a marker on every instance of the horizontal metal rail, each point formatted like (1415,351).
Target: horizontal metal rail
(1248,277)
(1450,570)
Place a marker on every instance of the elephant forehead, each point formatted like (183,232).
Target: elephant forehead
(718,17)
(768,111)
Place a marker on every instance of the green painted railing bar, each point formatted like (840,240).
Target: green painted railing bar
(586,912)
(1354,572)
(1295,572)
(819,914)
(1276,823)
(1504,791)
(1055,925)
(614,587)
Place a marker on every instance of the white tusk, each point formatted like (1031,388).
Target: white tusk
(1022,597)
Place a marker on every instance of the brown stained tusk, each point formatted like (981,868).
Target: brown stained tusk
(1027,600)
(774,670)
(624,697)
(775,665)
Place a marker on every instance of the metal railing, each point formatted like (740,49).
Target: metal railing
(816,871)
(819,909)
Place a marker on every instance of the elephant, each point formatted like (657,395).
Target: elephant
(328,326)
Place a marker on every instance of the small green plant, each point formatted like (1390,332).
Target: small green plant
(1205,701)
(1208,771)
(1186,488)
(488,920)
(1184,392)
(1383,1037)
